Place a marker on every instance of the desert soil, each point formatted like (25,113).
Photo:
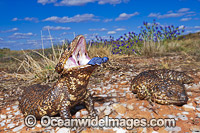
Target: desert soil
(112,83)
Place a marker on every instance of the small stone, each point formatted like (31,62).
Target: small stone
(185,113)
(155,132)
(198,115)
(78,114)
(3,116)
(124,82)
(119,108)
(39,125)
(189,93)
(118,116)
(173,129)
(18,128)
(17,113)
(8,121)
(183,117)
(198,108)
(10,116)
(84,112)
(107,111)
(197,98)
(8,108)
(64,130)
(119,130)
(142,108)
(2,123)
(130,107)
(15,107)
(190,104)
(10,125)
(8,112)
(188,107)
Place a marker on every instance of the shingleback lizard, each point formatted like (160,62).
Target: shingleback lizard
(69,90)
(163,86)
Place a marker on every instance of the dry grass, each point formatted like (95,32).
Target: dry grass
(151,48)
(42,69)
(188,45)
(100,51)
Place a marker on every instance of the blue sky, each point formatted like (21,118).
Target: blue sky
(23,21)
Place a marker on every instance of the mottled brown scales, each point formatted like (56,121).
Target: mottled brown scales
(69,90)
(162,86)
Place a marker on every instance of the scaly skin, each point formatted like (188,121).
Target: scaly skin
(69,90)
(162,86)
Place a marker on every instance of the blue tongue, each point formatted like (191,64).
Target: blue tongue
(98,60)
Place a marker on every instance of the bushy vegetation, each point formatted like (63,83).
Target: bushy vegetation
(151,40)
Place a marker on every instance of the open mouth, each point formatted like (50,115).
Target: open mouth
(79,56)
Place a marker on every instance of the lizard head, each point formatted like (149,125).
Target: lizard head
(75,57)
(170,92)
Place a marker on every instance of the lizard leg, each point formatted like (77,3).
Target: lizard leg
(89,103)
(65,109)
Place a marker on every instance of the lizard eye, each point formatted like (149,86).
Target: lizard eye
(170,93)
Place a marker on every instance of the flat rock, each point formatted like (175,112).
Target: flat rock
(188,107)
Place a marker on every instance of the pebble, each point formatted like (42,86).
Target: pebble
(189,93)
(183,117)
(78,114)
(198,108)
(130,107)
(198,102)
(17,113)
(2,123)
(124,82)
(173,116)
(107,111)
(11,125)
(18,128)
(8,108)
(198,115)
(64,130)
(3,116)
(84,112)
(173,129)
(119,130)
(15,107)
(188,107)
(39,125)
(10,116)
(142,108)
(155,132)
(8,112)
(8,121)
(118,116)
(185,113)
